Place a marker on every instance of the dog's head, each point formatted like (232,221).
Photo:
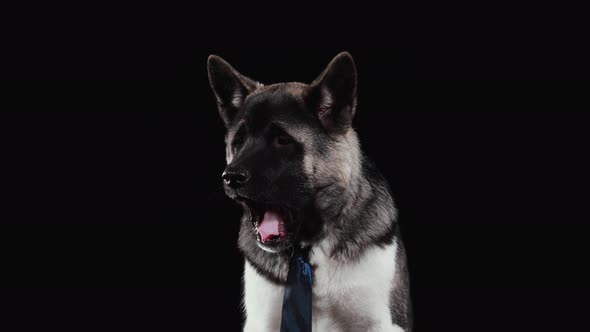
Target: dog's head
(285,143)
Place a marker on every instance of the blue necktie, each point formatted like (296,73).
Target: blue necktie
(296,316)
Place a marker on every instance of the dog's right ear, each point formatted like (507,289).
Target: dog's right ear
(230,87)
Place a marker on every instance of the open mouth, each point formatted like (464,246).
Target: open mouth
(270,222)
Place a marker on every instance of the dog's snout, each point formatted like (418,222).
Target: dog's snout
(235,178)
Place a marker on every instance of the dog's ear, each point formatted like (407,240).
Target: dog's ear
(230,87)
(333,94)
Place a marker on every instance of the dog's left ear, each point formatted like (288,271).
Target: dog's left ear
(333,94)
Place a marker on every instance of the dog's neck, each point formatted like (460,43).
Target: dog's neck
(365,212)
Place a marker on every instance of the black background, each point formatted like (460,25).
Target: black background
(113,149)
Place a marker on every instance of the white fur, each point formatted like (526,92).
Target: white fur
(359,291)
(263,302)
(265,248)
(326,98)
(237,99)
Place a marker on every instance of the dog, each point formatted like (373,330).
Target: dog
(295,166)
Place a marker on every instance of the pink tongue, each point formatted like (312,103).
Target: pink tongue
(270,226)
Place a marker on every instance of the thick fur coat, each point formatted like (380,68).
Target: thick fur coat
(291,147)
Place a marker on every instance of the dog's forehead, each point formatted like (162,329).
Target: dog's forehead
(276,103)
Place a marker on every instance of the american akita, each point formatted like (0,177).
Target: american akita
(295,166)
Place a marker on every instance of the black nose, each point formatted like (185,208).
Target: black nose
(235,178)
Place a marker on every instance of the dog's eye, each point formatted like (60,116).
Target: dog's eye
(238,140)
(282,140)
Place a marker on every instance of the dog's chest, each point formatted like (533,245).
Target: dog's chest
(349,295)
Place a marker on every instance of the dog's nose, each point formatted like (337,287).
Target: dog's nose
(235,178)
